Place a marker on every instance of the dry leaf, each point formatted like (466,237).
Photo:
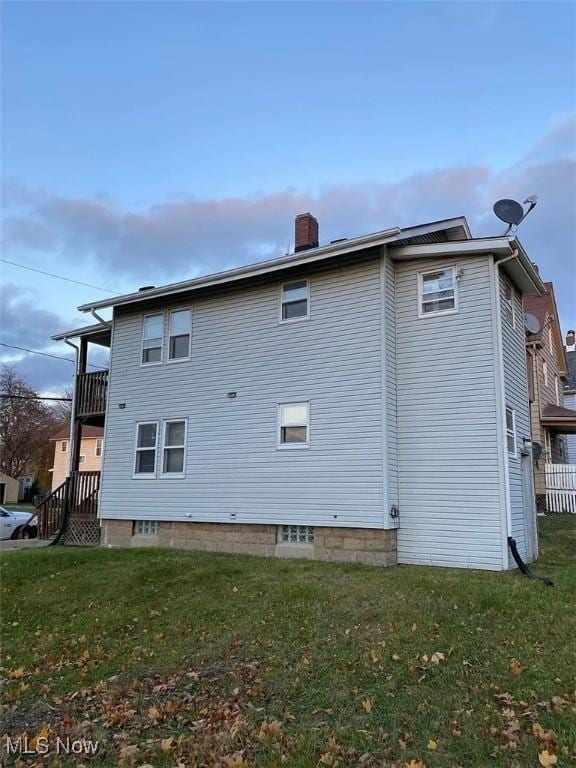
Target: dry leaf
(166,744)
(546,759)
(432,744)
(415,764)
(129,753)
(367,706)
(437,657)
(516,668)
(16,673)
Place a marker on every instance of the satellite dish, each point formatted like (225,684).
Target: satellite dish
(531,323)
(537,451)
(509,211)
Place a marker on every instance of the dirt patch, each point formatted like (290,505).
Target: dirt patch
(17,720)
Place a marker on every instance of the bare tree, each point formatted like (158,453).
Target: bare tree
(26,426)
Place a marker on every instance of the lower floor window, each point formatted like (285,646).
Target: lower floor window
(297,534)
(147,527)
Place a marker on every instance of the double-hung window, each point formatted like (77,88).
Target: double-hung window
(64,446)
(545,372)
(146,444)
(511,431)
(437,291)
(180,334)
(508,303)
(295,301)
(294,425)
(98,450)
(174,447)
(152,336)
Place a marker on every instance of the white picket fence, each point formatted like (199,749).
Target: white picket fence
(561,488)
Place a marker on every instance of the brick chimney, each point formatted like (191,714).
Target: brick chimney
(306,227)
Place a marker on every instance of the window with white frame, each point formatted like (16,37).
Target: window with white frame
(545,372)
(146,444)
(508,303)
(174,447)
(147,527)
(180,334)
(293,425)
(152,336)
(64,446)
(98,449)
(81,459)
(511,431)
(550,337)
(557,388)
(295,300)
(437,291)
(297,534)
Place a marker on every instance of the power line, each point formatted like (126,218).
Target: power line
(60,277)
(36,397)
(47,354)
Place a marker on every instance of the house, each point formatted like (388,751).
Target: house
(319,404)
(570,393)
(550,420)
(90,456)
(8,489)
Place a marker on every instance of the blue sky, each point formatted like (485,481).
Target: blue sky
(151,141)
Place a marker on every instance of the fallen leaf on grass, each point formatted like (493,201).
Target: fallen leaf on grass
(437,657)
(129,753)
(432,744)
(367,706)
(16,673)
(166,744)
(546,759)
(415,764)
(516,668)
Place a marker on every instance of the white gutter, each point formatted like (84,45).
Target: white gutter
(96,316)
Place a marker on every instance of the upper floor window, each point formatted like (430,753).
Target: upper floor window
(545,372)
(293,425)
(64,446)
(180,334)
(81,459)
(557,388)
(146,443)
(98,450)
(295,300)
(437,292)
(509,303)
(511,431)
(174,447)
(550,338)
(152,336)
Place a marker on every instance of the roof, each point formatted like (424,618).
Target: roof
(88,433)
(97,333)
(540,307)
(570,382)
(449,237)
(561,420)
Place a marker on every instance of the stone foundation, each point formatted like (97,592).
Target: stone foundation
(373,546)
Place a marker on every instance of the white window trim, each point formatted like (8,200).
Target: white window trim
(512,304)
(162,343)
(144,475)
(281,303)
(170,360)
(292,446)
(421,275)
(545,372)
(557,388)
(163,446)
(512,432)
(64,446)
(98,440)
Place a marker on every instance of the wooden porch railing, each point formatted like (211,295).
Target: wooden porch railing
(91,391)
(77,497)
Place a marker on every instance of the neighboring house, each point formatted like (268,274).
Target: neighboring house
(8,489)
(365,400)
(570,394)
(550,420)
(90,452)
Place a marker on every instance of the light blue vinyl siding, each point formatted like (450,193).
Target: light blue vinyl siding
(570,402)
(234,470)
(449,468)
(516,397)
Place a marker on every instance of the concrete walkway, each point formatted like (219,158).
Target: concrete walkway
(14,545)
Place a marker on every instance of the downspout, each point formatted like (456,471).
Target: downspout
(100,319)
(73,410)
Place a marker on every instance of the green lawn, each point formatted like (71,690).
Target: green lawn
(170,658)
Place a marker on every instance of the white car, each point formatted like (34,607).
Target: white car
(12,525)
